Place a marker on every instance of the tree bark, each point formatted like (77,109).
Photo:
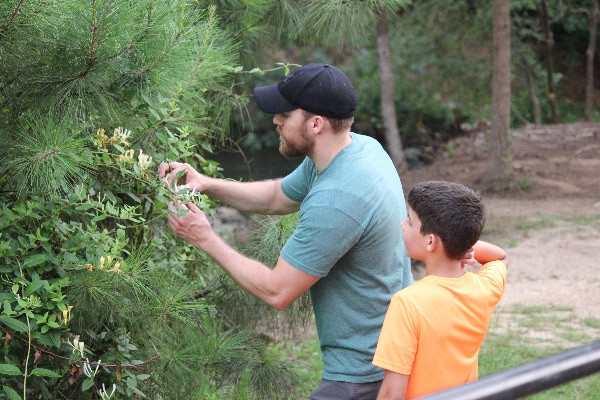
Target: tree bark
(593,16)
(535,100)
(499,173)
(549,42)
(388,104)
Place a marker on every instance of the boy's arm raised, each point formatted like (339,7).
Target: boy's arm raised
(486,252)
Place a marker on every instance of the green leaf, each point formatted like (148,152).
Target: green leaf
(9,369)
(14,324)
(44,372)
(11,393)
(86,384)
(99,218)
(154,113)
(33,286)
(34,260)
(83,207)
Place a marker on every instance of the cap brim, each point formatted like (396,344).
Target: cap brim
(271,101)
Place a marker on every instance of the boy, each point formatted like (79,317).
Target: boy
(433,329)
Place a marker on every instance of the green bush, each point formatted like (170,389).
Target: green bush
(98,298)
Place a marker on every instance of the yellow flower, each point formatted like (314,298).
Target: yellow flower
(117,268)
(89,267)
(67,315)
(101,262)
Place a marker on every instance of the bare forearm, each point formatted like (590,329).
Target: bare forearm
(252,275)
(486,252)
(262,197)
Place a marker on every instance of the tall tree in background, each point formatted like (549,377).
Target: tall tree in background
(387,85)
(549,59)
(350,23)
(499,173)
(593,15)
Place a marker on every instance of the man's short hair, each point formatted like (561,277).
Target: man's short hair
(337,125)
(451,211)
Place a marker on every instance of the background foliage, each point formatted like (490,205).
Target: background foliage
(94,95)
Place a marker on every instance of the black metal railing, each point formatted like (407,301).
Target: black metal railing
(529,378)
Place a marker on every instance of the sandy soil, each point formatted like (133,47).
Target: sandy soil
(551,229)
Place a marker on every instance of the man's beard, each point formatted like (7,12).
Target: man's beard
(301,146)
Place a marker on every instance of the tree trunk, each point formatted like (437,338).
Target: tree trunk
(549,41)
(535,100)
(499,172)
(590,54)
(388,104)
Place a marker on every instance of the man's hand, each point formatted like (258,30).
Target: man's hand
(191,178)
(194,227)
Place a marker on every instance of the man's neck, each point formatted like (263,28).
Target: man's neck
(327,147)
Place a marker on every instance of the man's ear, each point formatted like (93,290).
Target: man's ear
(317,123)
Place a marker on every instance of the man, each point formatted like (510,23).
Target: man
(347,248)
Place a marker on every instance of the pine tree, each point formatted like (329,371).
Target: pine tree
(92,96)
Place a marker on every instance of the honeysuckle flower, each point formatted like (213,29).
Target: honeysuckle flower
(77,345)
(101,138)
(87,369)
(67,314)
(117,268)
(121,135)
(144,160)
(101,262)
(127,157)
(104,395)
(89,267)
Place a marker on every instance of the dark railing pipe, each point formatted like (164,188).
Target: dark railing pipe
(529,378)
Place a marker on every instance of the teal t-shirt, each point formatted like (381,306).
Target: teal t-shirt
(349,235)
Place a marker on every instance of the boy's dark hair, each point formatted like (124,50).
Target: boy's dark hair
(451,211)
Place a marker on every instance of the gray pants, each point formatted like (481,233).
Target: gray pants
(335,390)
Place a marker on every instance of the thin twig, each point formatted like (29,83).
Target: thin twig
(43,350)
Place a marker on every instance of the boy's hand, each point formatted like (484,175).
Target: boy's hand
(468,258)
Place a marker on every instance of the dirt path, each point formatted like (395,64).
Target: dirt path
(554,248)
(551,230)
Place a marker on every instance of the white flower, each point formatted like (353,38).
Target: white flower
(144,161)
(104,395)
(122,135)
(87,369)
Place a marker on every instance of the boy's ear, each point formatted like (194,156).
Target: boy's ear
(432,241)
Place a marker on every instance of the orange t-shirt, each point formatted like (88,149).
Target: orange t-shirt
(433,329)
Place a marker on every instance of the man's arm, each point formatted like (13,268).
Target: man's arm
(279,287)
(393,386)
(486,252)
(262,197)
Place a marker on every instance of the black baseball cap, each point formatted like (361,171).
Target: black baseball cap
(320,89)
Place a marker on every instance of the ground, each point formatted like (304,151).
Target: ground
(551,227)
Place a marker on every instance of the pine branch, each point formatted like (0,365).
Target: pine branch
(12,18)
